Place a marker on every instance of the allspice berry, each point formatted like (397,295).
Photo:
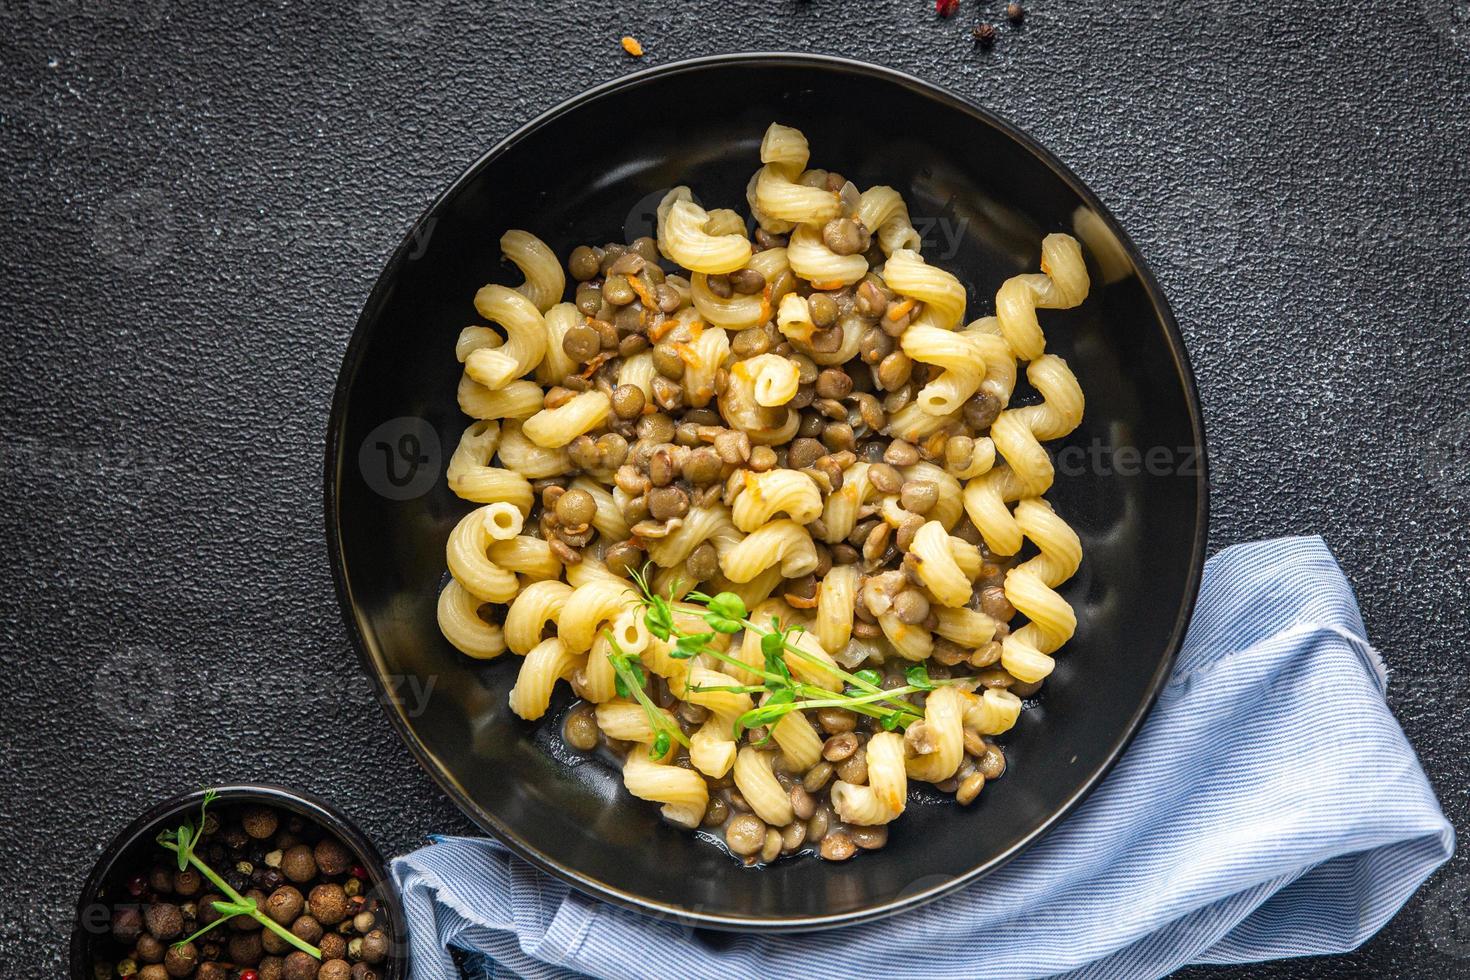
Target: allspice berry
(245,948)
(152,971)
(307,928)
(298,864)
(361,971)
(284,905)
(259,821)
(299,966)
(270,967)
(205,910)
(164,920)
(332,858)
(248,923)
(335,970)
(212,971)
(150,950)
(180,961)
(328,903)
(333,946)
(188,882)
(127,925)
(375,946)
(274,944)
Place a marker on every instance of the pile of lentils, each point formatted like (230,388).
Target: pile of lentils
(300,876)
(669,456)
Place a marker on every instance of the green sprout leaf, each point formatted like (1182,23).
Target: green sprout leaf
(918,676)
(660,745)
(727,605)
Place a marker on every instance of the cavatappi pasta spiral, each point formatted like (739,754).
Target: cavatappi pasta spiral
(805,416)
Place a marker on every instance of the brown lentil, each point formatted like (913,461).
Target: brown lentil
(837,847)
(745,835)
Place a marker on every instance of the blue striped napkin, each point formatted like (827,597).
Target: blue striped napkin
(1269,807)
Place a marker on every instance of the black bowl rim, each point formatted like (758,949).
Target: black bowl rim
(306,804)
(488,822)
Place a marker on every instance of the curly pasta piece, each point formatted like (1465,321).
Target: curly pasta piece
(784,543)
(937,567)
(538,604)
(460,622)
(467,554)
(758,784)
(942,294)
(528,459)
(800,744)
(702,357)
(739,310)
(627,721)
(711,749)
(769,493)
(764,426)
(471,476)
(592,606)
(700,524)
(811,259)
(1031,588)
(527,556)
(836,599)
(557,364)
(1017,432)
(883,798)
(882,210)
(839,513)
(684,237)
(548,662)
(517,400)
(778,196)
(545,282)
(552,428)
(525,345)
(683,792)
(774,379)
(944,712)
(1061,285)
(993,712)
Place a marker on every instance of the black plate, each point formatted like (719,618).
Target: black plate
(593,169)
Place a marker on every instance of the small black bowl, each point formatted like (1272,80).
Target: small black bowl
(1131,479)
(106,887)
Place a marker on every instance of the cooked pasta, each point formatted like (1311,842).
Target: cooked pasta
(552,428)
(774,492)
(684,237)
(545,282)
(761,501)
(525,345)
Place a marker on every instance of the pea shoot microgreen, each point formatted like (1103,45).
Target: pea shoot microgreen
(182,842)
(779,691)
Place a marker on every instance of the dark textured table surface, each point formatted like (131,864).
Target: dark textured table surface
(197,198)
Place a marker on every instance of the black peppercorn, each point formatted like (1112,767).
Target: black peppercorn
(985,35)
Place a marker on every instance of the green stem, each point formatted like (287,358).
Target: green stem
(656,718)
(249,904)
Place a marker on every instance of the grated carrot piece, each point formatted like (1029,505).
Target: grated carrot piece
(897,310)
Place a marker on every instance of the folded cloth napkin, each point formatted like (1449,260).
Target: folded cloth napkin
(1270,806)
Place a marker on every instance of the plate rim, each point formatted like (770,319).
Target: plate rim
(334,464)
